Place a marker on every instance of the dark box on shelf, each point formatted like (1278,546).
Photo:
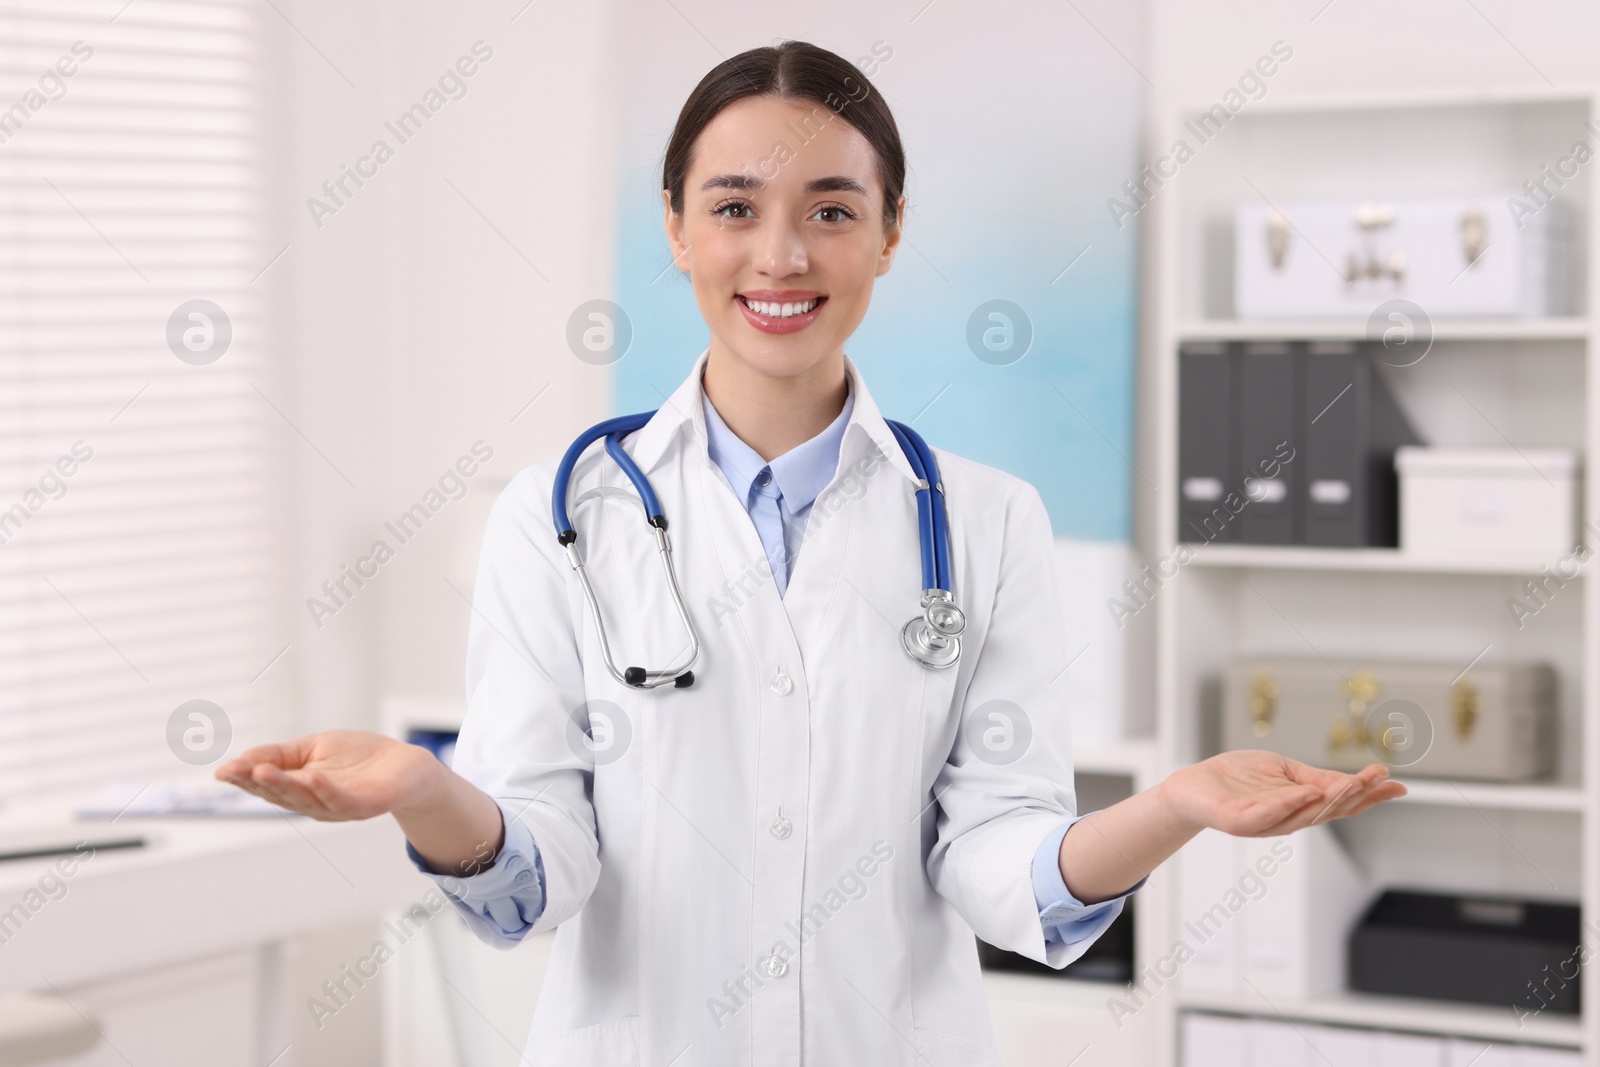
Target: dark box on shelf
(1515,954)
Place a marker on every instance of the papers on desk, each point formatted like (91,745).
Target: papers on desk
(147,800)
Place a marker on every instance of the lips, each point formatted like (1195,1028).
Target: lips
(783,311)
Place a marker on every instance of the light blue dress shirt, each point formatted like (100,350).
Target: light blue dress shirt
(509,895)
(779,494)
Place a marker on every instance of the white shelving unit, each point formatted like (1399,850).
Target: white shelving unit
(1532,382)
(1561,329)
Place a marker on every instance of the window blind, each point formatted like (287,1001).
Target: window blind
(137,485)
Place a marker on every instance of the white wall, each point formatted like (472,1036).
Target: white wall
(418,322)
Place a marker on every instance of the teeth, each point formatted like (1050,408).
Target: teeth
(779,311)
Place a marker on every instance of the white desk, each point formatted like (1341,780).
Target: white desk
(197,919)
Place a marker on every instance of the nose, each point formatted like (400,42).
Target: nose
(781,252)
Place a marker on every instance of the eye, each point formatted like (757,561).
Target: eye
(841,213)
(733,209)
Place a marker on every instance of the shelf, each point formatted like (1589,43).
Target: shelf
(1303,557)
(1559,329)
(1501,379)
(1411,99)
(1492,795)
(1401,1013)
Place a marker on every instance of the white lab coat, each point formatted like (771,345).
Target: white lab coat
(668,868)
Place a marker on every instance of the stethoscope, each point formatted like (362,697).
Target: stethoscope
(932,639)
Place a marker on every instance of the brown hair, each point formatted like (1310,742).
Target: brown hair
(792,70)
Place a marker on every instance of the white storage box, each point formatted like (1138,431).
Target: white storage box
(1464,500)
(1451,256)
(1272,913)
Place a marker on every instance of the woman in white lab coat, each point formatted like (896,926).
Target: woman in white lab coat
(785,862)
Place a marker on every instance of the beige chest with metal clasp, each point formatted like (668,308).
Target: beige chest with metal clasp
(1490,723)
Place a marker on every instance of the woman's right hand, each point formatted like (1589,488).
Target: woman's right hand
(338,774)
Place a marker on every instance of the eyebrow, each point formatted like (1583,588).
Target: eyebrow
(837,183)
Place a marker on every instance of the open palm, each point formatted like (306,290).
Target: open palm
(1252,793)
(336,775)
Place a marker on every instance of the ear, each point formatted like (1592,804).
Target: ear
(891,238)
(673,224)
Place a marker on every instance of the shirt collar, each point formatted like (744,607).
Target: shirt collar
(682,415)
(799,473)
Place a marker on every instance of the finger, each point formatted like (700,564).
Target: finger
(247,785)
(289,755)
(235,772)
(1294,808)
(1373,772)
(1287,802)
(1316,811)
(1321,809)
(335,803)
(226,772)
(1358,801)
(1379,794)
(1332,782)
(1284,804)
(1341,802)
(313,793)
(270,793)
(1363,778)
(1314,814)
(286,791)
(1340,805)
(1343,786)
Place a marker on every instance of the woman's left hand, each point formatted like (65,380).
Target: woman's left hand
(1251,793)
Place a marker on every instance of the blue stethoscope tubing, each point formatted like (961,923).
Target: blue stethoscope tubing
(932,535)
(931,639)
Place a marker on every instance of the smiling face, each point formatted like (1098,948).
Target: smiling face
(782,233)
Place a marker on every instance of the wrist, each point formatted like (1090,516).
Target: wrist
(426,786)
(1171,805)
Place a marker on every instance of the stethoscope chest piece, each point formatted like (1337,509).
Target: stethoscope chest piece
(933,639)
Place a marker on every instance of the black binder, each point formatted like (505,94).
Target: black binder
(1240,405)
(1352,427)
(1267,398)
(1205,440)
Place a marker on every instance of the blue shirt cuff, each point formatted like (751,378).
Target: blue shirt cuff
(1065,918)
(510,892)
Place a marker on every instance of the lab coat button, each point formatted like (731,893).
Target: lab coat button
(774,966)
(781,827)
(524,876)
(782,685)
